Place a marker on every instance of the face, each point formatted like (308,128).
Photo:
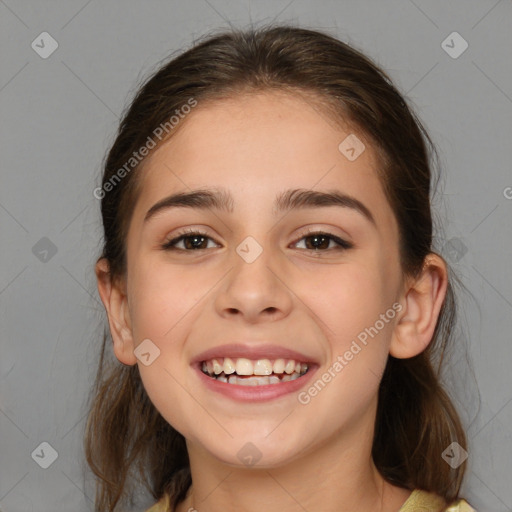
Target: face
(248,286)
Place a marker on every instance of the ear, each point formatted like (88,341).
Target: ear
(115,301)
(423,300)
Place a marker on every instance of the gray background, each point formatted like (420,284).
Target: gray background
(59,115)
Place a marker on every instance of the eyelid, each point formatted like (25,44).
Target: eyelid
(342,243)
(183,233)
(324,230)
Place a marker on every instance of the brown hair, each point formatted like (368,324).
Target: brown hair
(125,435)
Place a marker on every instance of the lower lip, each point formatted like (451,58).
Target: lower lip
(255,393)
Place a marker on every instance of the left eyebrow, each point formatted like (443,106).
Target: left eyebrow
(221,199)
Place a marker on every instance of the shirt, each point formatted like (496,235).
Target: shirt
(418,501)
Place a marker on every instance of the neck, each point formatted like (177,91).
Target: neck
(338,476)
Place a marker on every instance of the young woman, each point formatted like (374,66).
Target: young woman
(274,300)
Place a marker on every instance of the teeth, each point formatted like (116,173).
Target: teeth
(263,367)
(217,368)
(256,381)
(248,382)
(244,366)
(290,367)
(279,366)
(262,372)
(229,366)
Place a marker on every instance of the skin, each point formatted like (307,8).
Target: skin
(316,456)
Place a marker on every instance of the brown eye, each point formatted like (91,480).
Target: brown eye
(322,241)
(192,241)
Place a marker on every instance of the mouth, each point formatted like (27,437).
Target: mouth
(254,372)
(250,373)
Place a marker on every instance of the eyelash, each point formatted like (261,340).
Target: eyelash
(170,244)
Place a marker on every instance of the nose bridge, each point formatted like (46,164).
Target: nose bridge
(253,285)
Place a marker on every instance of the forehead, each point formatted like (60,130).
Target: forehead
(258,145)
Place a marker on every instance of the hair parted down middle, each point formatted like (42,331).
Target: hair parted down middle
(127,440)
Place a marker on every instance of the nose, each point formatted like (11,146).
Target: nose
(257,291)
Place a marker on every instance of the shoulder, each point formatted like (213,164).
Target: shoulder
(161,506)
(423,501)
(460,506)
(418,501)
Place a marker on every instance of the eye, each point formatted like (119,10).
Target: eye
(321,241)
(193,240)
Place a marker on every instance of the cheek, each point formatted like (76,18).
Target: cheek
(168,392)
(161,298)
(357,323)
(162,309)
(347,300)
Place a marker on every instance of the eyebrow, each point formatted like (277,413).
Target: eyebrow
(221,199)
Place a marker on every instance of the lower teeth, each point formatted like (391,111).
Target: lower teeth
(256,380)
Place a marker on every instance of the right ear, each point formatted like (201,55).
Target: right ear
(113,296)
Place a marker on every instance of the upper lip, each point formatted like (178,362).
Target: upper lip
(252,352)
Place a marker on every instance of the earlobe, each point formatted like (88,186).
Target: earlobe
(115,301)
(422,301)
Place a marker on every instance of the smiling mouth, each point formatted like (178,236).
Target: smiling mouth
(247,372)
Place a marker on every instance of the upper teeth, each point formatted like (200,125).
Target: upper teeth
(243,366)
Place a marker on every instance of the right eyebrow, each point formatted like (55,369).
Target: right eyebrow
(221,199)
(202,199)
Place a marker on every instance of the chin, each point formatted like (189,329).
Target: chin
(258,453)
